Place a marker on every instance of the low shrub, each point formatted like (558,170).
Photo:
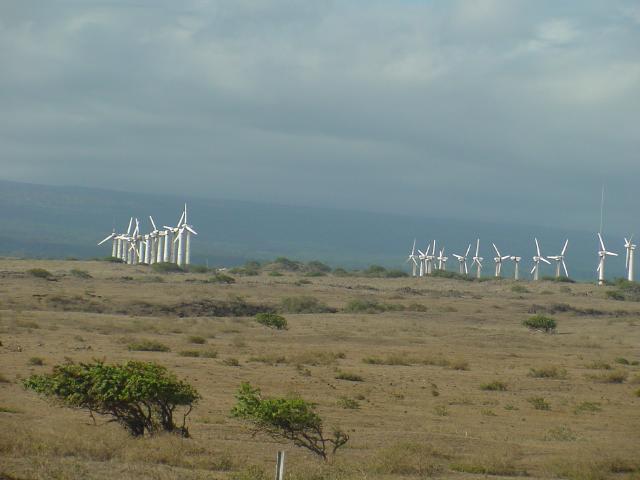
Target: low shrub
(587,407)
(166,267)
(231,362)
(371,306)
(80,273)
(36,361)
(598,365)
(540,322)
(275,273)
(548,372)
(40,273)
(147,346)
(561,433)
(622,361)
(304,304)
(409,458)
(560,279)
(272,320)
(519,289)
(316,266)
(222,278)
(539,403)
(348,403)
(189,353)
(495,386)
(197,269)
(351,377)
(614,295)
(197,339)
(614,376)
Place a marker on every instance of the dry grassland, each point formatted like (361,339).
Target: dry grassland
(452,385)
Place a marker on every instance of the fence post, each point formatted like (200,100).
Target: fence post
(280,466)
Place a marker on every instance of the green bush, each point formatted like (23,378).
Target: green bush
(362,305)
(539,403)
(189,353)
(272,320)
(283,263)
(40,273)
(222,278)
(197,269)
(560,279)
(166,267)
(348,403)
(291,419)
(112,260)
(275,273)
(147,346)
(351,377)
(614,295)
(141,396)
(548,372)
(197,339)
(495,386)
(316,266)
(540,322)
(304,304)
(80,273)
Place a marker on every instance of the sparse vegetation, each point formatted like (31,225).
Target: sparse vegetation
(292,419)
(495,386)
(348,403)
(539,403)
(147,346)
(36,361)
(272,320)
(540,322)
(362,305)
(142,397)
(166,267)
(615,295)
(613,376)
(40,273)
(351,377)
(80,273)
(587,407)
(197,339)
(222,278)
(548,372)
(304,304)
(410,458)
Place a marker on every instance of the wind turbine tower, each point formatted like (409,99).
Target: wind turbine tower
(498,259)
(477,261)
(537,258)
(462,262)
(602,253)
(630,254)
(559,259)
(516,266)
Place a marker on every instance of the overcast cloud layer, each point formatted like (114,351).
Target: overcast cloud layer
(487,109)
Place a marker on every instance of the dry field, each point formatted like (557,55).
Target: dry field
(568,408)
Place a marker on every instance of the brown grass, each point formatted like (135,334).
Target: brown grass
(419,411)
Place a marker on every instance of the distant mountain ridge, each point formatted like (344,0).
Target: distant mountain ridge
(52,221)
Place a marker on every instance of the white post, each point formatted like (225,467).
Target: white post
(114,247)
(478,271)
(630,270)
(557,268)
(168,241)
(535,272)
(174,250)
(497,269)
(158,256)
(187,249)
(180,235)
(143,252)
(517,273)
(601,271)
(280,466)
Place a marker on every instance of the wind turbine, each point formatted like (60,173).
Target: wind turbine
(422,256)
(559,259)
(462,261)
(430,257)
(477,261)
(602,253)
(537,258)
(412,258)
(169,243)
(184,230)
(516,266)
(442,260)
(499,260)
(114,242)
(134,252)
(155,240)
(123,240)
(630,254)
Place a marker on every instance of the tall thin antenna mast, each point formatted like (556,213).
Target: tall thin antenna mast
(601,209)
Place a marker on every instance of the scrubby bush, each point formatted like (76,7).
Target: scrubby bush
(291,419)
(222,278)
(40,273)
(316,266)
(283,263)
(495,386)
(197,339)
(143,397)
(80,273)
(304,304)
(36,361)
(272,320)
(540,322)
(197,269)
(250,268)
(362,305)
(539,403)
(614,295)
(351,377)
(147,346)
(560,279)
(166,267)
(548,372)
(112,260)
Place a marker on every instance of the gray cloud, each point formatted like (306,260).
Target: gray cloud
(495,109)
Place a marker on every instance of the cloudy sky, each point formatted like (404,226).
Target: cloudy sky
(516,110)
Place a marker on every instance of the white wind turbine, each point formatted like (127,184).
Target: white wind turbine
(114,242)
(134,252)
(155,240)
(462,261)
(516,266)
(430,257)
(122,243)
(169,242)
(559,259)
(442,260)
(477,261)
(498,259)
(537,258)
(185,230)
(423,257)
(602,253)
(412,258)
(630,247)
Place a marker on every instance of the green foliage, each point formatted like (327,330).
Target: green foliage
(166,267)
(141,396)
(147,346)
(377,271)
(362,305)
(112,260)
(495,386)
(351,377)
(587,407)
(539,403)
(341,272)
(275,273)
(451,275)
(519,289)
(250,268)
(283,263)
(622,361)
(80,273)
(348,403)
(197,339)
(316,266)
(548,372)
(304,304)
(40,273)
(272,320)
(222,278)
(540,322)
(614,295)
(197,269)
(560,279)
(291,419)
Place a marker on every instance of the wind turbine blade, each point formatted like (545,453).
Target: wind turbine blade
(566,272)
(152,222)
(466,270)
(534,268)
(611,253)
(130,224)
(545,260)
(180,221)
(564,249)
(601,241)
(496,249)
(505,257)
(537,246)
(477,246)
(191,230)
(108,238)
(467,253)
(413,249)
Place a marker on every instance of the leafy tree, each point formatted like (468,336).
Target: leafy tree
(291,419)
(141,396)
